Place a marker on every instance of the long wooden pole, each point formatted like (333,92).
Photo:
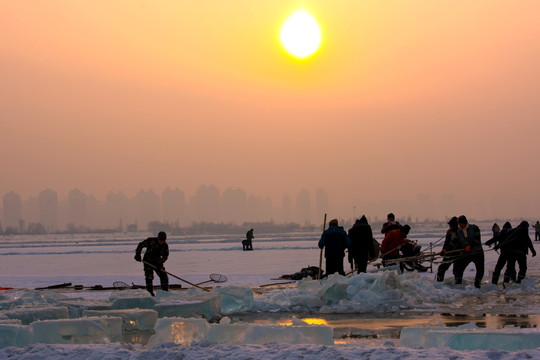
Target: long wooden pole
(320,257)
(179,278)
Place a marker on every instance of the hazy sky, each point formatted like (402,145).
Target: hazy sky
(403,97)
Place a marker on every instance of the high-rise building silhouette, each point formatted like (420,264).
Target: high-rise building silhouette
(206,204)
(77,214)
(321,203)
(118,210)
(254,204)
(303,207)
(267,209)
(286,208)
(12,206)
(174,206)
(148,208)
(234,206)
(48,209)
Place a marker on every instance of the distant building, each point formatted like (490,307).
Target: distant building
(12,205)
(148,208)
(48,209)
(117,210)
(286,208)
(207,204)
(234,206)
(174,206)
(132,228)
(77,215)
(321,203)
(303,207)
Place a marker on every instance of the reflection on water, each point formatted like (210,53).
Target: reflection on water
(310,321)
(379,326)
(350,328)
(493,321)
(137,337)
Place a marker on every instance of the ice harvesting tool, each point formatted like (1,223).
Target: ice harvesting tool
(217,278)
(179,278)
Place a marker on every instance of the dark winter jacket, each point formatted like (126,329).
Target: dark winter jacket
(156,253)
(451,241)
(334,240)
(389,226)
(503,241)
(473,238)
(361,237)
(519,241)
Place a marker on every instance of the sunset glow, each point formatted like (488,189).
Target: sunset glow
(300,34)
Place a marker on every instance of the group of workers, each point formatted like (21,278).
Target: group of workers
(513,243)
(462,246)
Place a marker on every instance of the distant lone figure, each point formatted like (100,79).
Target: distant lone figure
(247,244)
(536,230)
(157,252)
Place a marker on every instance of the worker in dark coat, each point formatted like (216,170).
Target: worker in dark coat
(335,241)
(470,241)
(520,243)
(157,252)
(500,243)
(247,244)
(361,237)
(450,246)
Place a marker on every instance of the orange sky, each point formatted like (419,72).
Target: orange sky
(403,98)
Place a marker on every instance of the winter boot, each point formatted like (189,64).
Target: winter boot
(150,287)
(165,285)
(477,284)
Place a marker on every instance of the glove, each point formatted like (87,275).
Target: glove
(533,253)
(137,257)
(467,248)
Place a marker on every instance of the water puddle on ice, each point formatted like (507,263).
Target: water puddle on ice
(350,328)
(372,329)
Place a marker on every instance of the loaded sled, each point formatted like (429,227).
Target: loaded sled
(412,259)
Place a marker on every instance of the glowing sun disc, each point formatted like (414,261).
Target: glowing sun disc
(300,34)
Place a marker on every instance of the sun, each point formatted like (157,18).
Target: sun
(300,34)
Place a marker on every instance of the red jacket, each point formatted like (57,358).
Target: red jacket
(391,241)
